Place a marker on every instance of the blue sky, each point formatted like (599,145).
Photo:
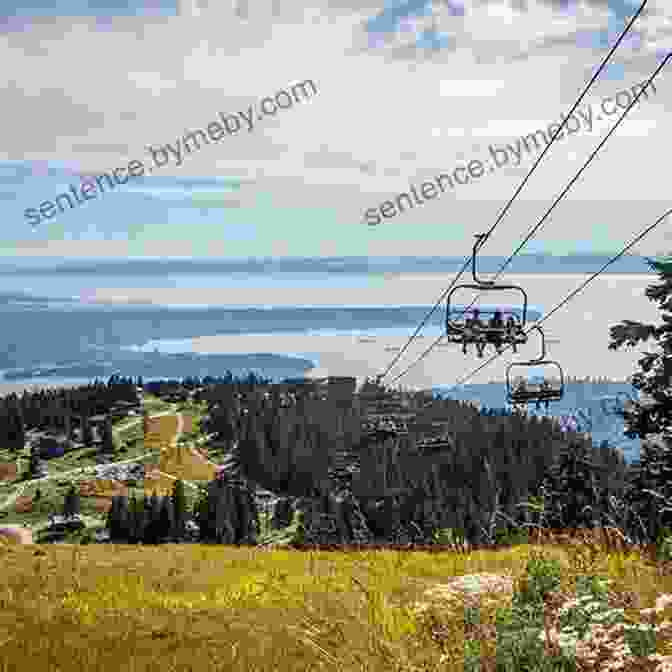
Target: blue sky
(406,91)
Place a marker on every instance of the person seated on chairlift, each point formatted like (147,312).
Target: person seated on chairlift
(471,329)
(512,330)
(544,387)
(521,387)
(496,323)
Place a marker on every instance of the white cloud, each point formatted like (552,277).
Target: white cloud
(375,125)
(474,88)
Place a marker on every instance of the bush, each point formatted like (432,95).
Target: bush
(299,535)
(543,577)
(513,537)
(448,536)
(664,544)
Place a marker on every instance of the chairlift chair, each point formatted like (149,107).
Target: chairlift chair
(456,327)
(542,393)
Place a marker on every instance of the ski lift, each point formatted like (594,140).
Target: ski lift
(524,392)
(457,329)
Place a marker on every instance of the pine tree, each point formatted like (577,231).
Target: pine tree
(35,465)
(654,414)
(571,484)
(166,519)
(153,510)
(179,502)
(202,516)
(139,518)
(17,430)
(648,488)
(112,519)
(71,503)
(118,519)
(123,519)
(87,434)
(650,417)
(107,446)
(67,426)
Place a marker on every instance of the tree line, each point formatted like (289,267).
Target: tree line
(60,407)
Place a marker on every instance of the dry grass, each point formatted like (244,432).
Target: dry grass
(174,460)
(23,504)
(102,487)
(160,432)
(185,463)
(188,421)
(8,471)
(197,607)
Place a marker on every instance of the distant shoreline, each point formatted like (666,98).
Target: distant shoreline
(389,289)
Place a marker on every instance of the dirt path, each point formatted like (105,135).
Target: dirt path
(180,429)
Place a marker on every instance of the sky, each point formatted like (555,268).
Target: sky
(403,92)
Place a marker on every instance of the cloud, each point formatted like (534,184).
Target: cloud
(379,121)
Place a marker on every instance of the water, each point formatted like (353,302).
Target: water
(52,332)
(41,297)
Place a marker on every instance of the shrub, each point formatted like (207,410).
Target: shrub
(514,537)
(664,544)
(543,577)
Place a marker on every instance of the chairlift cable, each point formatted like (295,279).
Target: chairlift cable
(565,300)
(522,184)
(536,227)
(574,292)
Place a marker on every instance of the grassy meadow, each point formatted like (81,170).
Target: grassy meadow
(210,607)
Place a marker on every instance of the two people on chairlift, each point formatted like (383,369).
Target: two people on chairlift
(498,332)
(521,388)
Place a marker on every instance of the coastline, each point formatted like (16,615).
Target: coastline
(376,290)
(577,334)
(345,356)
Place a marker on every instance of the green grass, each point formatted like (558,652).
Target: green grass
(198,607)
(153,404)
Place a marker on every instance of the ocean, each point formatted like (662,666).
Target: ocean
(58,330)
(87,339)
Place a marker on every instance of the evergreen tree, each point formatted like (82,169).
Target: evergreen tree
(166,519)
(201,514)
(650,417)
(123,519)
(574,496)
(153,508)
(16,430)
(112,518)
(71,503)
(87,434)
(35,464)
(647,489)
(139,519)
(68,429)
(107,446)
(179,502)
